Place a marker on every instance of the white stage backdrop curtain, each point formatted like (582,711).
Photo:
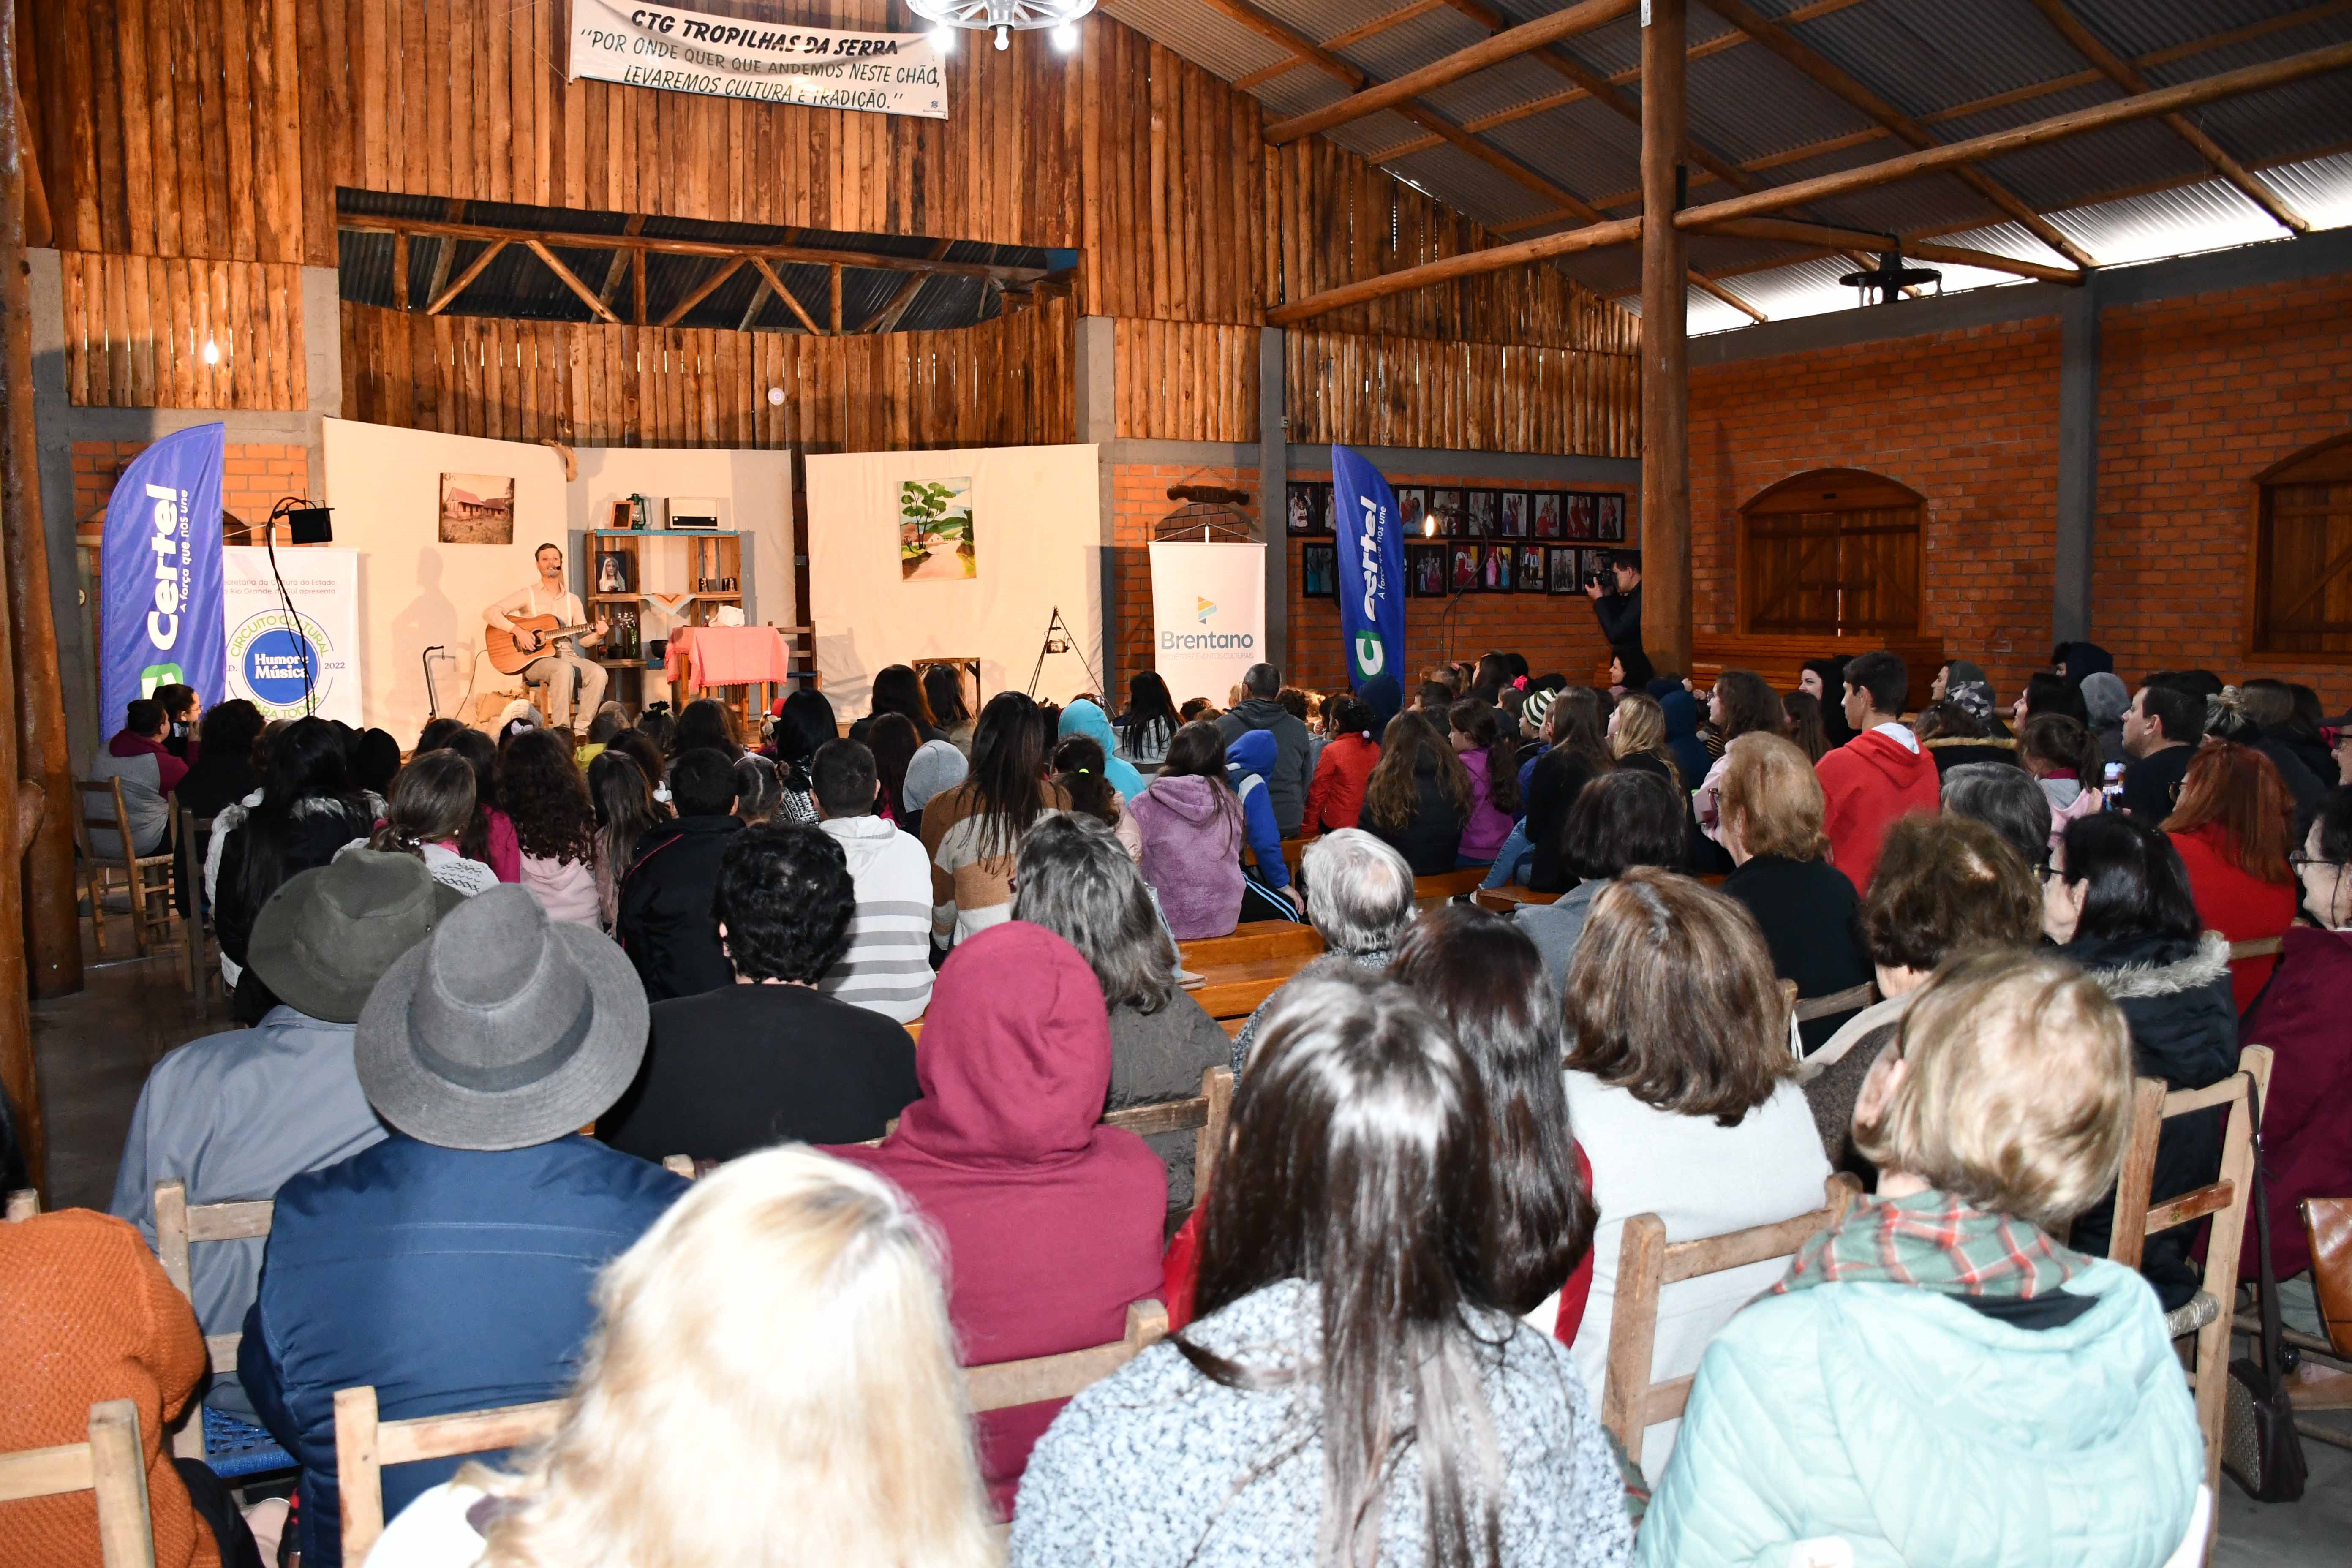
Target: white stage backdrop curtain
(267,652)
(1208,613)
(887,534)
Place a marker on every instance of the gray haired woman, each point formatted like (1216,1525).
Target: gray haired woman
(1073,878)
(1358,898)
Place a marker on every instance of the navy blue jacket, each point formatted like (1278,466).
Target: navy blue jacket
(448,1279)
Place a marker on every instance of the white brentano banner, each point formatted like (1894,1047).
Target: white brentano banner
(729,56)
(269,657)
(1208,613)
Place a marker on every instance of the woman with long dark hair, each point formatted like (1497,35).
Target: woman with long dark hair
(2066,760)
(805,723)
(894,741)
(1578,723)
(1743,703)
(309,809)
(1479,974)
(432,802)
(1353,1391)
(898,689)
(2233,826)
(626,812)
(973,830)
(555,823)
(943,695)
(705,722)
(1807,724)
(1150,723)
(1490,754)
(1191,829)
(1419,797)
(226,769)
(1351,750)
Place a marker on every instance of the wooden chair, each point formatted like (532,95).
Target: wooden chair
(100,875)
(201,970)
(2224,1198)
(1005,1384)
(24,1203)
(365,1444)
(1630,1403)
(1249,941)
(179,1222)
(1853,999)
(1504,900)
(109,1463)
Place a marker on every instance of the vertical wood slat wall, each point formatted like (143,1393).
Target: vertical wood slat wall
(1004,383)
(205,131)
(136,327)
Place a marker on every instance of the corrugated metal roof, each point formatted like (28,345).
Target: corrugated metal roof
(1924,57)
(517,285)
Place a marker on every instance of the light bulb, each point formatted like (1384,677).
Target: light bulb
(1429,528)
(212,351)
(1003,38)
(1065,36)
(776,397)
(943,38)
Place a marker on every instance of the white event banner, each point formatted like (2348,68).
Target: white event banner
(730,56)
(1208,613)
(267,653)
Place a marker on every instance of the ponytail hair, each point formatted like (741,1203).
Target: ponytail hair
(432,803)
(1079,768)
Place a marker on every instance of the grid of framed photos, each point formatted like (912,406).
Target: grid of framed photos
(1434,570)
(1585,516)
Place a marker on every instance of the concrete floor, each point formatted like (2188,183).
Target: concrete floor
(93,1051)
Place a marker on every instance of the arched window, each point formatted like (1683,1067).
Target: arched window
(1834,552)
(2302,552)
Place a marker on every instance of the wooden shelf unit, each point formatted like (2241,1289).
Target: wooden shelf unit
(711,555)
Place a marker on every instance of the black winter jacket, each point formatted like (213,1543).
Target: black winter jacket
(2175,994)
(1811,921)
(665,922)
(1621,619)
(1431,841)
(1559,777)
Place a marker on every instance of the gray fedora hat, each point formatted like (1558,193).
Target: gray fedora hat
(505,1029)
(327,935)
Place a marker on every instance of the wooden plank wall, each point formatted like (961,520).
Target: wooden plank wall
(218,130)
(1007,383)
(136,328)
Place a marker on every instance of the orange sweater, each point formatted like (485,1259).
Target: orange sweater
(86,1314)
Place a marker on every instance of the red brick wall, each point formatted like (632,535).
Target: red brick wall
(1553,632)
(1969,419)
(2197,395)
(253,478)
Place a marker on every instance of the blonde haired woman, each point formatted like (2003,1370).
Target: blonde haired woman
(773,1380)
(1939,1369)
(1637,738)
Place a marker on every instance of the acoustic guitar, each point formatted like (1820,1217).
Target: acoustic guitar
(507,654)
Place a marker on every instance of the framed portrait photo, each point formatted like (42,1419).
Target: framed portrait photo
(1301,511)
(1532,569)
(1565,560)
(1424,570)
(1514,515)
(1482,515)
(1581,519)
(1547,513)
(1464,576)
(1500,568)
(1609,518)
(1412,506)
(1318,571)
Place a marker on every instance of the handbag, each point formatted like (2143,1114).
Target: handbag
(2260,1447)
(2328,1223)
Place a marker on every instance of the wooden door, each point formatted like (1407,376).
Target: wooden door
(1835,553)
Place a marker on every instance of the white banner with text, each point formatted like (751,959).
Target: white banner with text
(1208,613)
(309,664)
(730,56)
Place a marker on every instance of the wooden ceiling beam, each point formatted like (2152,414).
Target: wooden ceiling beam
(474,269)
(2124,75)
(1764,202)
(571,281)
(1356,35)
(806,255)
(703,290)
(1838,82)
(1506,45)
(794,306)
(1839,240)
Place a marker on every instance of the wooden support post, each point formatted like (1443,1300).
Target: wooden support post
(836,301)
(399,271)
(41,937)
(637,287)
(1666,381)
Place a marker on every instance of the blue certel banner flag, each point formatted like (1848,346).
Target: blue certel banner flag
(1372,568)
(160,575)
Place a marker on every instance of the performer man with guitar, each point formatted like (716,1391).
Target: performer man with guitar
(534,632)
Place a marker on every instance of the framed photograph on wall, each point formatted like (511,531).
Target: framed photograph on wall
(1547,513)
(1318,571)
(1609,518)
(1497,573)
(1446,507)
(1564,563)
(612,573)
(1514,518)
(1303,511)
(1532,568)
(1480,518)
(1325,503)
(1595,561)
(1424,570)
(1464,577)
(1580,521)
(1413,505)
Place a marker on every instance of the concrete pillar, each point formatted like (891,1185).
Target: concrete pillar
(1272,488)
(2078,462)
(1096,391)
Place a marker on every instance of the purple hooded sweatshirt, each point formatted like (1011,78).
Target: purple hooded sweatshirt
(1191,853)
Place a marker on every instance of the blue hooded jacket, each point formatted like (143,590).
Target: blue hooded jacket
(1083,718)
(1682,737)
(1247,757)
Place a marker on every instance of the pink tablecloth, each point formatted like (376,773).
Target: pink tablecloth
(726,656)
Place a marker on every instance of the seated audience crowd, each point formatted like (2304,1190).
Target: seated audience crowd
(890,989)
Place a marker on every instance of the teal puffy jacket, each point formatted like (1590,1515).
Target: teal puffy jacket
(1924,1432)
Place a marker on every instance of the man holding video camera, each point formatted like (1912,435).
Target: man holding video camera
(1619,607)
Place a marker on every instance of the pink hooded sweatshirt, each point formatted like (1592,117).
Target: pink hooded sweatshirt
(1052,1221)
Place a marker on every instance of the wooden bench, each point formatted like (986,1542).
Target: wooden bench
(2224,1198)
(108,1462)
(1430,891)
(1853,999)
(1251,940)
(1630,1403)
(1504,900)
(1234,990)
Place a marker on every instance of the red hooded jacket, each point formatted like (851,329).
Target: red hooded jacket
(1052,1221)
(1869,782)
